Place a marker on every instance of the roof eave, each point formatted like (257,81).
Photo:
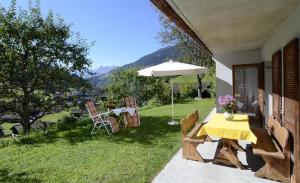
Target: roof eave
(164,7)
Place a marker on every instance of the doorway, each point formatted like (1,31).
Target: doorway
(248,89)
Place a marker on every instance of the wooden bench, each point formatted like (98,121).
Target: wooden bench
(272,146)
(190,141)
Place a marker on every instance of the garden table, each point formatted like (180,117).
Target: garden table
(123,110)
(229,132)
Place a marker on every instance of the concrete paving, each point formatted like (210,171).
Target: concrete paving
(179,170)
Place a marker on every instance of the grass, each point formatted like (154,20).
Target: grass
(50,117)
(7,127)
(56,116)
(132,155)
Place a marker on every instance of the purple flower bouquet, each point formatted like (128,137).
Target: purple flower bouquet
(228,104)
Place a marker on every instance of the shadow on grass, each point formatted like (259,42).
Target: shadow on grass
(151,130)
(7,176)
(37,138)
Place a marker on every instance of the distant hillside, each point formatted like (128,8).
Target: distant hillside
(151,59)
(157,57)
(104,69)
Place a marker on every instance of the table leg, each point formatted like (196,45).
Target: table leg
(125,120)
(227,154)
(120,122)
(234,144)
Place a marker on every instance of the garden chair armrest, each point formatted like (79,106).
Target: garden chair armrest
(102,114)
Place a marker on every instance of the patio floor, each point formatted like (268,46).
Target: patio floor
(180,170)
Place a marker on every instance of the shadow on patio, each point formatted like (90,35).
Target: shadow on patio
(181,170)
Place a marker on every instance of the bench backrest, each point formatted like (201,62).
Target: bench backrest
(280,133)
(188,122)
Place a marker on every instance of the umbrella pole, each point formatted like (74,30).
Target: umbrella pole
(173,122)
(172,99)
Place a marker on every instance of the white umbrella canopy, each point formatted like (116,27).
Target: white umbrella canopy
(172,68)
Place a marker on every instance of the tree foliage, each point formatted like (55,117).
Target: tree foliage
(39,57)
(126,82)
(190,51)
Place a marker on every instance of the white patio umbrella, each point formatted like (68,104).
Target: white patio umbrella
(172,68)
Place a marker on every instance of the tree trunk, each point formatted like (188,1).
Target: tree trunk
(199,78)
(26,115)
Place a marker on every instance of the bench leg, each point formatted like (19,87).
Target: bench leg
(274,169)
(189,151)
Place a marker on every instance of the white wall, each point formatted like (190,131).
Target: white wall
(224,64)
(285,33)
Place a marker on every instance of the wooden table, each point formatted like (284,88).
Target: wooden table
(229,132)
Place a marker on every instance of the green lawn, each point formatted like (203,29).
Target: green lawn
(7,127)
(50,117)
(56,116)
(132,155)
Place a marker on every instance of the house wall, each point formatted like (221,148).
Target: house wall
(286,32)
(224,64)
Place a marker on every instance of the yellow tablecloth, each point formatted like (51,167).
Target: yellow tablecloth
(237,129)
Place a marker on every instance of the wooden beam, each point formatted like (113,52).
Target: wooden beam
(165,8)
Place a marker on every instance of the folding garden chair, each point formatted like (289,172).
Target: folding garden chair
(133,121)
(101,119)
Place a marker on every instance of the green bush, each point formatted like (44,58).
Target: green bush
(154,102)
(188,91)
(83,120)
(210,77)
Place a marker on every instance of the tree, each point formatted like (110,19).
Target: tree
(126,82)
(190,51)
(40,58)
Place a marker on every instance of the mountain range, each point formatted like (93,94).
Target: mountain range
(101,79)
(103,69)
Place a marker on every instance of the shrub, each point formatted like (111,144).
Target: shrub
(126,82)
(188,91)
(154,102)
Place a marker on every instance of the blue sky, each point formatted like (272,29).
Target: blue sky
(123,30)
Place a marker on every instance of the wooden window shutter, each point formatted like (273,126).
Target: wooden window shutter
(291,85)
(276,85)
(291,100)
